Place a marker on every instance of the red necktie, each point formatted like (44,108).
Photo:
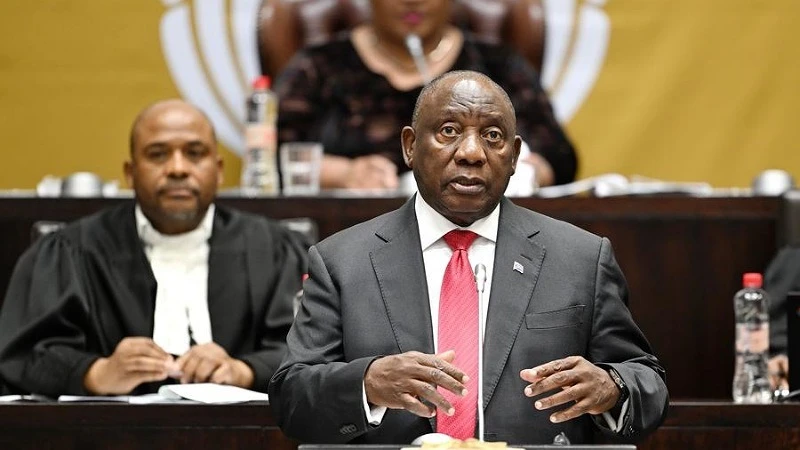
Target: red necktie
(458,330)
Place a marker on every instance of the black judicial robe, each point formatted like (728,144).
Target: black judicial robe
(78,292)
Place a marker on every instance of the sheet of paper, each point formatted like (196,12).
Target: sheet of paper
(211,393)
(24,398)
(94,398)
(132,399)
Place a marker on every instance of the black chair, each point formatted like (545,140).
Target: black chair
(285,26)
(789,226)
(303,225)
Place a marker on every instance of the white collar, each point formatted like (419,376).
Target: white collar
(432,225)
(150,236)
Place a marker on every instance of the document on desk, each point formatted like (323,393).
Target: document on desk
(179,393)
(27,398)
(133,399)
(211,393)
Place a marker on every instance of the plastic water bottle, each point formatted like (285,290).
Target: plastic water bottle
(751,306)
(260,163)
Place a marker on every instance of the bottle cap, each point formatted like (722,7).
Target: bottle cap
(261,83)
(752,280)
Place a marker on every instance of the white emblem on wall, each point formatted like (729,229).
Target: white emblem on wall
(578,33)
(211,52)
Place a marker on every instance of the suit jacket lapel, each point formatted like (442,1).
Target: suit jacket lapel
(403,288)
(517,264)
(227,273)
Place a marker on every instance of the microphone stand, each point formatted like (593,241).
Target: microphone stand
(414,46)
(480,283)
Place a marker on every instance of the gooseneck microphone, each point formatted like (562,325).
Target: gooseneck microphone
(414,46)
(480,283)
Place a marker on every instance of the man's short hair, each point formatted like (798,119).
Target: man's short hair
(434,86)
(143,113)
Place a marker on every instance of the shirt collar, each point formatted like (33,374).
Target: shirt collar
(150,236)
(432,225)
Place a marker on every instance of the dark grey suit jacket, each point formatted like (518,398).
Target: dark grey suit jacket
(367,296)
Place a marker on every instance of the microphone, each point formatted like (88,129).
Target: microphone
(480,283)
(414,46)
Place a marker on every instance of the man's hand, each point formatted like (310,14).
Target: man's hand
(409,380)
(210,363)
(135,360)
(778,369)
(576,380)
(372,172)
(544,171)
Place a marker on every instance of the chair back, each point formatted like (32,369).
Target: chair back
(303,225)
(285,26)
(789,231)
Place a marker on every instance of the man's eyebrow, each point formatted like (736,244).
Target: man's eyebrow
(155,145)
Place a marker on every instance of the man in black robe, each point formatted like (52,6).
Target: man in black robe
(169,288)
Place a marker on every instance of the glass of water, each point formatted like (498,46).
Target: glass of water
(300,166)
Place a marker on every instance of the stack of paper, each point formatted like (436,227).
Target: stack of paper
(179,393)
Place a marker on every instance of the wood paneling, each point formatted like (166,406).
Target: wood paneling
(683,259)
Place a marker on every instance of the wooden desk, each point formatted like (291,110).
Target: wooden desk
(150,427)
(683,259)
(700,426)
(725,426)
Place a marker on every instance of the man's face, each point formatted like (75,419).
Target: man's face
(463,149)
(400,17)
(175,169)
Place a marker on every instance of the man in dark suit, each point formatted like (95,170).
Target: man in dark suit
(372,358)
(169,288)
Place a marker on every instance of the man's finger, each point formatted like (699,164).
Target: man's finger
(566,395)
(413,405)
(145,364)
(448,356)
(189,367)
(428,393)
(547,369)
(443,366)
(554,381)
(578,409)
(140,347)
(204,370)
(222,375)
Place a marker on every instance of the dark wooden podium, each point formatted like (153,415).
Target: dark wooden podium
(700,426)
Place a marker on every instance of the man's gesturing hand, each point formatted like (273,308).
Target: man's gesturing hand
(576,380)
(409,380)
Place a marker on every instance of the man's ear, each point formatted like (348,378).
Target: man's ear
(220,171)
(517,149)
(407,139)
(127,168)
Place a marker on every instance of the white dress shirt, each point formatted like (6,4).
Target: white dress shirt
(180,266)
(436,254)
